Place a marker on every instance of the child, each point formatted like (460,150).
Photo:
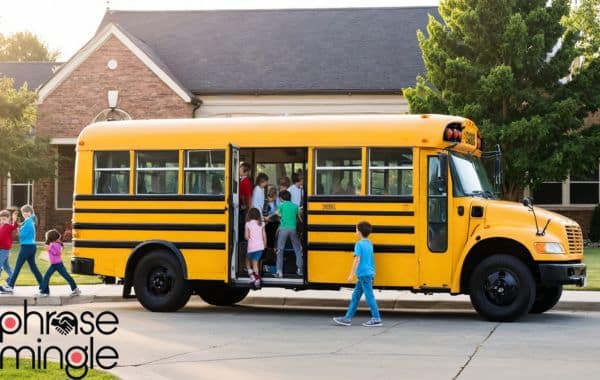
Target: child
(364,267)
(27,251)
(6,232)
(245,186)
(257,239)
(56,265)
(258,194)
(296,189)
(288,213)
(271,205)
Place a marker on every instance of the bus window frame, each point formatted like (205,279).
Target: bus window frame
(191,169)
(360,169)
(175,169)
(97,169)
(402,167)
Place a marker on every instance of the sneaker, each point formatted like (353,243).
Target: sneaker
(300,273)
(257,283)
(342,321)
(373,323)
(279,275)
(41,295)
(75,292)
(6,289)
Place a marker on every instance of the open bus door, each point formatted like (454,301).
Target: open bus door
(233,207)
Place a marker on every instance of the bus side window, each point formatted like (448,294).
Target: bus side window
(157,172)
(437,207)
(390,171)
(204,172)
(111,172)
(338,171)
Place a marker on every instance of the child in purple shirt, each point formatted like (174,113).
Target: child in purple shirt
(56,265)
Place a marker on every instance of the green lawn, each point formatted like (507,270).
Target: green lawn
(592,259)
(53,372)
(26,277)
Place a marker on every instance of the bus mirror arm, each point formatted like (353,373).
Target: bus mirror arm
(527,202)
(545,227)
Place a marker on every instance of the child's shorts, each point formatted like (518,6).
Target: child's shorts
(254,256)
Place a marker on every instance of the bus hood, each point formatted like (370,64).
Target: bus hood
(516,214)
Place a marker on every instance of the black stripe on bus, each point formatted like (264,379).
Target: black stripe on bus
(361,198)
(147,197)
(370,213)
(149,226)
(352,228)
(148,211)
(349,247)
(133,244)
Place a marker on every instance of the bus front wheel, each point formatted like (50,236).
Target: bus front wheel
(159,282)
(546,298)
(502,288)
(221,295)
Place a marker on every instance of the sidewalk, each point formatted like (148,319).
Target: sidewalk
(387,299)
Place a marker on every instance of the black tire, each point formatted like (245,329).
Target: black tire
(221,295)
(546,298)
(159,282)
(502,288)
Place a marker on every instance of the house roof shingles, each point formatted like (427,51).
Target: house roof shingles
(32,73)
(355,50)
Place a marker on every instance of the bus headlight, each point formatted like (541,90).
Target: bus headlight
(545,248)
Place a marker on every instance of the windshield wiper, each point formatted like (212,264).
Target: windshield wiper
(483,193)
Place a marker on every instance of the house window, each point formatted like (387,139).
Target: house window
(583,187)
(157,172)
(111,172)
(548,193)
(65,177)
(390,171)
(580,188)
(338,171)
(20,192)
(204,172)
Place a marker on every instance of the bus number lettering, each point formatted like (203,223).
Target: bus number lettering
(328,206)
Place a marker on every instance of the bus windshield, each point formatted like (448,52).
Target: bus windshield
(470,178)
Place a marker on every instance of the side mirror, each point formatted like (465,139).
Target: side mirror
(527,202)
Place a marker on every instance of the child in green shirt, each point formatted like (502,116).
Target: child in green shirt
(288,212)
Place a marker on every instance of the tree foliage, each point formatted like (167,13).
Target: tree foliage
(503,64)
(25,46)
(24,155)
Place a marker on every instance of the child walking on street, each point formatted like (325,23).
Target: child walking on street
(56,265)
(257,239)
(6,231)
(27,251)
(364,268)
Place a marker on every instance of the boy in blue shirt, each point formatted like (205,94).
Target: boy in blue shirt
(364,268)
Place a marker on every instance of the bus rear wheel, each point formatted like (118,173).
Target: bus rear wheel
(221,295)
(502,288)
(159,282)
(546,298)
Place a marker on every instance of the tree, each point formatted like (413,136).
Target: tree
(25,46)
(503,65)
(23,155)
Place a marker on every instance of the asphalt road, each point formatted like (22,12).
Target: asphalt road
(246,342)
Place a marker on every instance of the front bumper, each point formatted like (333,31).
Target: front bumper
(559,274)
(81,265)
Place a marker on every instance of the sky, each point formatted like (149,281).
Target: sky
(66,25)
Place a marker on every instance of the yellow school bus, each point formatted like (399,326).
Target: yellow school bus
(157,205)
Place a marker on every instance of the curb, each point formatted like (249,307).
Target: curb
(291,302)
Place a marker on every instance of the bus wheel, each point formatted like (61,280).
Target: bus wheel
(159,284)
(546,298)
(221,295)
(502,288)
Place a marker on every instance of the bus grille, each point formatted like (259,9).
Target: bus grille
(575,240)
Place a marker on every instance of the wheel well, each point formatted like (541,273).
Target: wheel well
(489,247)
(143,249)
